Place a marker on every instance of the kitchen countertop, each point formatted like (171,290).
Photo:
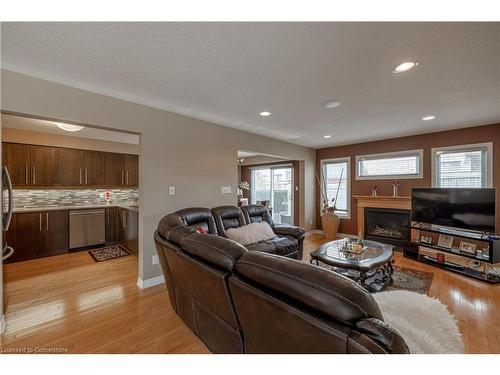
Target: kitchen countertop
(131,207)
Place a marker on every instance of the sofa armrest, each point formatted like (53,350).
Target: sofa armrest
(289,230)
(384,334)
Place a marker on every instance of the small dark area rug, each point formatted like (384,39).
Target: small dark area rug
(108,252)
(404,279)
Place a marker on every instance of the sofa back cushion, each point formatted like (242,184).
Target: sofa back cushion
(255,213)
(198,217)
(227,217)
(318,290)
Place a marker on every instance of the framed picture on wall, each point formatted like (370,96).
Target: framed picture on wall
(445,241)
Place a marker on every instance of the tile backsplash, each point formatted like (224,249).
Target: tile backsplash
(28,198)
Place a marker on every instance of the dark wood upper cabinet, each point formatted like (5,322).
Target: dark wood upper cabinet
(69,167)
(114,169)
(43,166)
(18,160)
(131,170)
(93,167)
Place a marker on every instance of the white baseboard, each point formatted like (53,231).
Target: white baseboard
(148,283)
(3,325)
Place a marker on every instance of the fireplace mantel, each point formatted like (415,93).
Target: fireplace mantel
(379,201)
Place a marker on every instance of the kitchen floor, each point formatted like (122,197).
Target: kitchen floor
(71,304)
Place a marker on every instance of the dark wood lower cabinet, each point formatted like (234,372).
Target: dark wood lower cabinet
(38,234)
(129,229)
(112,225)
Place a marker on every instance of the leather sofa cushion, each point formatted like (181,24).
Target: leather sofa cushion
(289,230)
(227,217)
(218,251)
(320,290)
(285,245)
(256,213)
(264,247)
(198,217)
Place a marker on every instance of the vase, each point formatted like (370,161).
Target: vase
(374,193)
(330,223)
(395,190)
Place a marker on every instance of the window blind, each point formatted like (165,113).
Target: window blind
(405,164)
(462,168)
(331,173)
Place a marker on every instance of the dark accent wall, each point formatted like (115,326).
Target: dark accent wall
(246,175)
(477,134)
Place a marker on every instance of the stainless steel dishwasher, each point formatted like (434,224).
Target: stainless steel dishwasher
(86,228)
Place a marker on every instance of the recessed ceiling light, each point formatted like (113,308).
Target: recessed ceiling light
(331,104)
(327,136)
(69,127)
(428,118)
(265,114)
(404,67)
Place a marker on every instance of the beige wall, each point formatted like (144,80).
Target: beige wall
(57,140)
(196,156)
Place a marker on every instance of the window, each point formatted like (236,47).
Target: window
(331,171)
(274,185)
(391,165)
(468,166)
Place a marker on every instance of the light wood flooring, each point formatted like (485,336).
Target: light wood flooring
(75,305)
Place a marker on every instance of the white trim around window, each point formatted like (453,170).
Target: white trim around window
(488,146)
(389,155)
(341,214)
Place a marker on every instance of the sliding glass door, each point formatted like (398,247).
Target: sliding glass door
(273,186)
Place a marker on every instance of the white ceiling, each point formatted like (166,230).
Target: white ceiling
(25,123)
(229,72)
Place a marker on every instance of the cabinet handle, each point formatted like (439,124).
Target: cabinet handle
(126,174)
(34,175)
(122,177)
(26,174)
(47,217)
(40,220)
(80,176)
(86,176)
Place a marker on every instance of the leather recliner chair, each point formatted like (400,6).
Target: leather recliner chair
(288,241)
(238,301)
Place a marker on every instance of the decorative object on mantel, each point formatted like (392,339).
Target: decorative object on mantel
(395,188)
(107,196)
(374,190)
(330,220)
(243,185)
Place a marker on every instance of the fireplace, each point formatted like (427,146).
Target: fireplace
(387,225)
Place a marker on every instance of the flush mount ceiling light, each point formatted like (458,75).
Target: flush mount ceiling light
(69,127)
(327,136)
(265,113)
(331,104)
(428,118)
(404,67)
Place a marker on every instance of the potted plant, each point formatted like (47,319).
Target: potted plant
(330,220)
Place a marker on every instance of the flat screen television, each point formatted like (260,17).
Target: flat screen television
(472,209)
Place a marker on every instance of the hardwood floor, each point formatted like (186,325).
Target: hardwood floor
(74,305)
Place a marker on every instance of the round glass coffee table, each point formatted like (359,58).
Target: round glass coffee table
(372,268)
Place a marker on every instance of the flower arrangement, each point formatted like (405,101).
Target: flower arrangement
(327,208)
(244,185)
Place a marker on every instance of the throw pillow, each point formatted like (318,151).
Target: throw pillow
(251,233)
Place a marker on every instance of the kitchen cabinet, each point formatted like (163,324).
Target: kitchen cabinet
(17,158)
(38,234)
(112,225)
(129,229)
(58,167)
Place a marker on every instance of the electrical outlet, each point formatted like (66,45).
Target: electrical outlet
(225,189)
(171,190)
(155,259)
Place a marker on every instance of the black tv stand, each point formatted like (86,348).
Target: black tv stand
(478,265)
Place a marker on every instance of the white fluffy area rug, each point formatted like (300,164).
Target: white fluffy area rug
(425,323)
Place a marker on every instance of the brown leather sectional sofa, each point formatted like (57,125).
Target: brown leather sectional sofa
(240,300)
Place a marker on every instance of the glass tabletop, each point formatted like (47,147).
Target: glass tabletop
(336,250)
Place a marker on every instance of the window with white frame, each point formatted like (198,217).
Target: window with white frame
(391,165)
(336,178)
(466,166)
